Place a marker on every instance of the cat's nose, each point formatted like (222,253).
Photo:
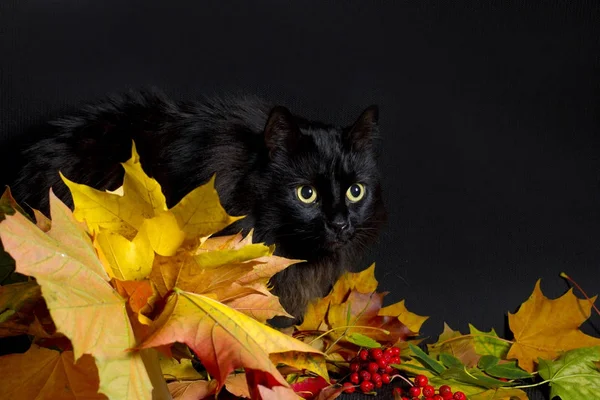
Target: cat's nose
(339,226)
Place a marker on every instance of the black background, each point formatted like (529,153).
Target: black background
(489,118)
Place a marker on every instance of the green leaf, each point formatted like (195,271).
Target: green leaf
(450,361)
(508,370)
(488,361)
(574,375)
(423,357)
(362,340)
(488,343)
(473,377)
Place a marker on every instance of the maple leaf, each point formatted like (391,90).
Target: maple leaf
(454,343)
(80,299)
(192,390)
(488,343)
(18,297)
(574,375)
(399,310)
(277,393)
(363,310)
(224,339)
(543,327)
(50,374)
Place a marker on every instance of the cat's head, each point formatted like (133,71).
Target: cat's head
(324,195)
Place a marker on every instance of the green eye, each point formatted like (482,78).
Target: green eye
(355,192)
(306,193)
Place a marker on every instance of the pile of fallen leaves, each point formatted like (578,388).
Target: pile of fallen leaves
(124,298)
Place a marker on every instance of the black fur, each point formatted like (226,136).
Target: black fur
(260,156)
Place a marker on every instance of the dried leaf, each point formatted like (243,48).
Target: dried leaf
(79,297)
(200,213)
(453,342)
(42,373)
(224,339)
(543,327)
(192,390)
(399,310)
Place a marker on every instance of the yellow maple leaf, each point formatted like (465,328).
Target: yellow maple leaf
(543,327)
(80,299)
(410,319)
(49,374)
(224,339)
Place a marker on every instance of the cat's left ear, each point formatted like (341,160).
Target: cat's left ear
(281,131)
(366,127)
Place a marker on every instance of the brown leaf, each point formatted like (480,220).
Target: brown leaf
(50,374)
(192,390)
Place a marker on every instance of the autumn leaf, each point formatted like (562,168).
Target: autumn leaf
(18,297)
(80,299)
(309,387)
(200,213)
(42,373)
(399,310)
(543,327)
(453,342)
(128,259)
(574,375)
(182,370)
(277,393)
(363,310)
(224,339)
(363,282)
(488,343)
(500,394)
(192,390)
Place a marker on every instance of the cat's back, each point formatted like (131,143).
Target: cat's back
(177,143)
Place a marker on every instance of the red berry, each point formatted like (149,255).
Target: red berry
(448,396)
(444,389)
(389,370)
(348,387)
(375,377)
(354,378)
(421,380)
(388,352)
(365,375)
(398,391)
(414,391)
(354,367)
(363,354)
(395,351)
(376,354)
(385,378)
(382,363)
(373,367)
(428,391)
(437,397)
(460,396)
(367,386)
(378,384)
(395,360)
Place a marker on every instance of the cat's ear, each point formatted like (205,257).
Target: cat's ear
(281,132)
(360,135)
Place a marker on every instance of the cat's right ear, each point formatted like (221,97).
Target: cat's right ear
(281,132)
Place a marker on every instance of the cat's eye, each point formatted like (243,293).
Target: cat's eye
(355,192)
(306,193)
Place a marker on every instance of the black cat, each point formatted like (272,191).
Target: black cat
(310,188)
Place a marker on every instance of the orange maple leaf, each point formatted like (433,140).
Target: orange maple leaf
(224,339)
(544,327)
(49,372)
(80,299)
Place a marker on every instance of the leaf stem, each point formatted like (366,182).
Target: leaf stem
(567,277)
(550,381)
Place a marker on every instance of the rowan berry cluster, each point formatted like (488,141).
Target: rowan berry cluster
(422,390)
(371,369)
